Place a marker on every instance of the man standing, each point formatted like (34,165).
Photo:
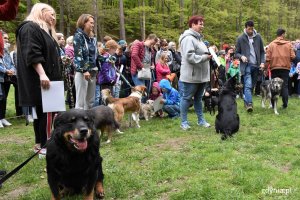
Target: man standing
(194,71)
(250,50)
(279,55)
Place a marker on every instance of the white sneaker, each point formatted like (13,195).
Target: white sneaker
(42,153)
(1,125)
(30,118)
(5,122)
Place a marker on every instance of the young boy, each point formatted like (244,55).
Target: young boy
(171,99)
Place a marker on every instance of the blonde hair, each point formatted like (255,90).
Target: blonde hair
(69,40)
(36,15)
(162,57)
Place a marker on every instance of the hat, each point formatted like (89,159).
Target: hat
(122,43)
(222,52)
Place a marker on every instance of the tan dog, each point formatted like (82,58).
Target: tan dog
(147,109)
(130,104)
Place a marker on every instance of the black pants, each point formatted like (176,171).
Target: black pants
(13,81)
(42,126)
(3,102)
(284,75)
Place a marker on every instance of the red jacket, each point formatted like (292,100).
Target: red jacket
(8,11)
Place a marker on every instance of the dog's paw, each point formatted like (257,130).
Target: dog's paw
(99,191)
(120,132)
(138,126)
(276,113)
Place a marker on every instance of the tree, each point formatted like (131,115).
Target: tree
(122,23)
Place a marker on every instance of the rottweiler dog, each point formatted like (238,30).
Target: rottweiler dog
(74,165)
(227,120)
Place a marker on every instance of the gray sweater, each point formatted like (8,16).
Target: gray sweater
(195,62)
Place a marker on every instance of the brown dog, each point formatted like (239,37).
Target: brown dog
(147,109)
(130,104)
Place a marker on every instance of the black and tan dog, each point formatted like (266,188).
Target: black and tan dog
(227,120)
(74,165)
(105,121)
(270,90)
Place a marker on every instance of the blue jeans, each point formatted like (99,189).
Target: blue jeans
(97,96)
(250,79)
(137,81)
(190,90)
(172,110)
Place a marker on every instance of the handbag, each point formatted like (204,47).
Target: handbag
(145,73)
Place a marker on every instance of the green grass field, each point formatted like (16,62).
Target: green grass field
(160,161)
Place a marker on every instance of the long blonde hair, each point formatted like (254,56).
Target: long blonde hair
(37,15)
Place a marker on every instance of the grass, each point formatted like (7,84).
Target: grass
(160,161)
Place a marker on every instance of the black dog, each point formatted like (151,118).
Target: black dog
(105,120)
(74,165)
(227,120)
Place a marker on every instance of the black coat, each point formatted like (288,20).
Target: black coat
(35,45)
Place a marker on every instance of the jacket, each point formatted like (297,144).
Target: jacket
(171,96)
(162,70)
(280,54)
(6,63)
(35,45)
(243,49)
(85,52)
(107,74)
(195,62)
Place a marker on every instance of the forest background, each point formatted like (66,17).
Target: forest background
(134,19)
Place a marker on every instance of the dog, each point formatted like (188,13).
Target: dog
(130,104)
(227,120)
(147,109)
(104,120)
(74,165)
(270,90)
(211,99)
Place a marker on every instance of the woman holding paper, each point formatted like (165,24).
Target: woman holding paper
(38,63)
(194,71)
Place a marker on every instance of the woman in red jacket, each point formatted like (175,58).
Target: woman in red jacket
(163,71)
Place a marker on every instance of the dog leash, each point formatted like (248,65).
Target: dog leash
(15,170)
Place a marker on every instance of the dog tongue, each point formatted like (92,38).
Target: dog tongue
(82,145)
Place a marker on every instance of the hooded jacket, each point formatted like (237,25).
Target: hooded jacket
(171,96)
(280,54)
(243,49)
(195,62)
(152,96)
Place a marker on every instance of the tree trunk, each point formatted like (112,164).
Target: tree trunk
(28,6)
(142,19)
(181,15)
(95,6)
(122,23)
(61,16)
(68,18)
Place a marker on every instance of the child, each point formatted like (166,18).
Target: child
(171,99)
(234,71)
(155,93)
(298,79)
(107,75)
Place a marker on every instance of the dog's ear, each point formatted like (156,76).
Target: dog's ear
(57,119)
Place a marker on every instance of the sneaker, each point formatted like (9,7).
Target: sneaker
(42,153)
(185,126)
(249,108)
(1,125)
(36,148)
(204,124)
(5,122)
(30,118)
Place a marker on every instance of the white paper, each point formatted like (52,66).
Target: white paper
(156,104)
(214,55)
(54,98)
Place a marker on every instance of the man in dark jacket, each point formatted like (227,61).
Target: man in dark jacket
(250,50)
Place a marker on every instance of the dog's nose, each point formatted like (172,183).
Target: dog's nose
(83,131)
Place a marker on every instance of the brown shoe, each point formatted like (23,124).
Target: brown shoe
(249,108)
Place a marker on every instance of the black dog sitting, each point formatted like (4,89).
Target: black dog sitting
(227,120)
(74,165)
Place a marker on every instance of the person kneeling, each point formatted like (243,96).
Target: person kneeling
(170,100)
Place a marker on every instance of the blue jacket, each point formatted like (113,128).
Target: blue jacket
(85,52)
(172,96)
(5,64)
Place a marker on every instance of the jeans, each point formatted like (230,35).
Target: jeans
(98,99)
(137,81)
(250,79)
(190,90)
(172,110)
(284,75)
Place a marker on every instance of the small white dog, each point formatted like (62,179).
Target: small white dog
(147,109)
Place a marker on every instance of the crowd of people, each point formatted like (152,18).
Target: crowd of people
(180,72)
